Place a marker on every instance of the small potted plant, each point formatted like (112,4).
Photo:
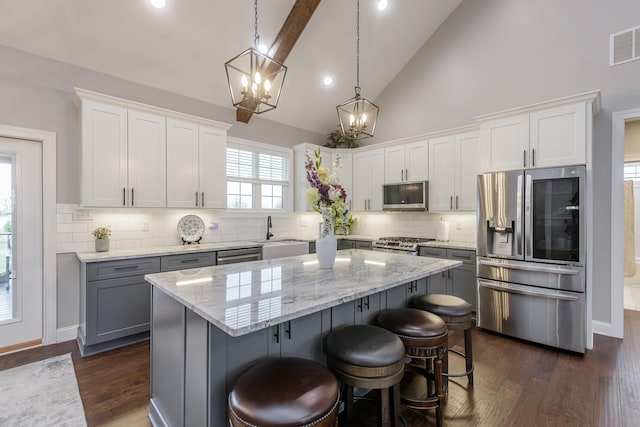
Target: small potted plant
(102,238)
(337,139)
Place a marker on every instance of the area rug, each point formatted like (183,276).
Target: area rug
(42,393)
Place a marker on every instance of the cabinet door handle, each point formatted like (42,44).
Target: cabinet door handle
(533,157)
(132,199)
(196,199)
(456,202)
(124,196)
(189,261)
(524,158)
(450,202)
(359,306)
(366,304)
(288,331)
(276,335)
(406,174)
(202,199)
(401,175)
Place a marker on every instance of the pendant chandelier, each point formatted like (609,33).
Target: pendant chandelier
(255,79)
(357,115)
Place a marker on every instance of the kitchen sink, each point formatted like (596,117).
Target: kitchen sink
(283,248)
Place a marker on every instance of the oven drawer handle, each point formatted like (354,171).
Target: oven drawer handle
(523,290)
(537,268)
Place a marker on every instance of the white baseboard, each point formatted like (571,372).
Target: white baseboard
(603,328)
(67,333)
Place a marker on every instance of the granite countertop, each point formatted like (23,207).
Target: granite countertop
(163,250)
(469,246)
(243,298)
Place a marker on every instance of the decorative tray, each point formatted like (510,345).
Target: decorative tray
(191,228)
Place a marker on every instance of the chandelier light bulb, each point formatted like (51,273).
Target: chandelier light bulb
(267,85)
(351,120)
(257,78)
(364,118)
(244,81)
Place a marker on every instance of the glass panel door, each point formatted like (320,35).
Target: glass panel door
(555,219)
(6,256)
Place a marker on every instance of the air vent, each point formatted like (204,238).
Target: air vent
(624,46)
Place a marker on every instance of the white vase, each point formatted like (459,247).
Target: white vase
(102,245)
(326,246)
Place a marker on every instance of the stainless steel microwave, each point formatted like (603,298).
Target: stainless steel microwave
(406,196)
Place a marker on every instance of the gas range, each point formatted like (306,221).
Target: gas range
(406,245)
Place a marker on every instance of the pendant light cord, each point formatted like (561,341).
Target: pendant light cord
(357,44)
(256,37)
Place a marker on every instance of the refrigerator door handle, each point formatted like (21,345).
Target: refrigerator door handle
(519,216)
(537,268)
(529,291)
(528,216)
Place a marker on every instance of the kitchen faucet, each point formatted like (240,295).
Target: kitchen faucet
(269,225)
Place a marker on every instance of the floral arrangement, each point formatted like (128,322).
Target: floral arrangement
(325,195)
(102,232)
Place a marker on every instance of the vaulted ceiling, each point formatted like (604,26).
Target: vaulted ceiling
(182,48)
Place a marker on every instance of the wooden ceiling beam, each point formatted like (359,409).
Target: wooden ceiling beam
(282,46)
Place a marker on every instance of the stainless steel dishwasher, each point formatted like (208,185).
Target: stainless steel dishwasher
(232,256)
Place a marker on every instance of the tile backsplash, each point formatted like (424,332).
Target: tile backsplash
(158,227)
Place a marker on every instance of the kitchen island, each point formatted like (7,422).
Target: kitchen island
(210,324)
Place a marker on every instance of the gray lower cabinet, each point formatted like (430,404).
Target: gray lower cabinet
(194,364)
(399,297)
(359,312)
(460,281)
(346,244)
(115,298)
(354,244)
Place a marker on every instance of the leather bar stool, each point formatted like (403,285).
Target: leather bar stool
(369,357)
(424,336)
(285,392)
(456,313)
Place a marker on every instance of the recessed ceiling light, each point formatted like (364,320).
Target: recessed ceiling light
(382,4)
(327,80)
(158,3)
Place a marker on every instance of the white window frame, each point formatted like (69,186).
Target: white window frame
(275,150)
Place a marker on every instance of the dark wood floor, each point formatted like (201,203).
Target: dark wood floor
(516,383)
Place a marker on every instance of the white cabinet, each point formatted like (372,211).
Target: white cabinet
(146,160)
(368,180)
(406,162)
(543,138)
(558,136)
(136,155)
(123,157)
(453,166)
(104,154)
(196,172)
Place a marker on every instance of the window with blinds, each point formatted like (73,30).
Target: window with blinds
(256,178)
(632,171)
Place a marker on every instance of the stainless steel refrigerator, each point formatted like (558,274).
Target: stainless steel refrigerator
(531,255)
